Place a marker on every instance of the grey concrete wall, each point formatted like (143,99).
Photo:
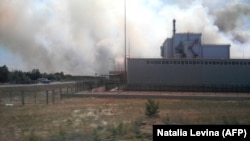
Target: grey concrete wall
(189,72)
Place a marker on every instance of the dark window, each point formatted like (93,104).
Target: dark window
(148,62)
(225,63)
(194,62)
(205,62)
(186,62)
(229,63)
(182,62)
(166,62)
(245,63)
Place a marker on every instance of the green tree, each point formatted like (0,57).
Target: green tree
(151,108)
(35,74)
(18,76)
(4,74)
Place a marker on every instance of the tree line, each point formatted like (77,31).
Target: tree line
(21,77)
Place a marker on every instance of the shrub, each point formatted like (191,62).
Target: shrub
(152,108)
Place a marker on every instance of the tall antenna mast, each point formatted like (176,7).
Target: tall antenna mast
(174,31)
(125,37)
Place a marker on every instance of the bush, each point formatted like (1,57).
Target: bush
(152,108)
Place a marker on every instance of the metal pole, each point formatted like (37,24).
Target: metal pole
(77,86)
(125,37)
(47,97)
(10,96)
(60,94)
(81,86)
(53,96)
(35,97)
(23,98)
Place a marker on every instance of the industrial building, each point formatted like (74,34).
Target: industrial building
(189,65)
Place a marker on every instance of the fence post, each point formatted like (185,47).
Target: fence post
(35,97)
(47,97)
(53,96)
(60,94)
(10,96)
(82,86)
(23,98)
(77,86)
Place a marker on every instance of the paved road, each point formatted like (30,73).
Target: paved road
(38,84)
(37,87)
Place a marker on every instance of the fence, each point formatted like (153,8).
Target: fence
(42,94)
(23,97)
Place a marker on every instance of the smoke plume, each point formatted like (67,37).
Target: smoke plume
(231,18)
(87,37)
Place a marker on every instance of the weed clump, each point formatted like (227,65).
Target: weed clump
(151,108)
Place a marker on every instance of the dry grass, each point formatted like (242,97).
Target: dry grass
(111,119)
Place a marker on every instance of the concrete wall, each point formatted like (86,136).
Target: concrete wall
(189,72)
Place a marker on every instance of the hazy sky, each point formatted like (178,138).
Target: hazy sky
(84,37)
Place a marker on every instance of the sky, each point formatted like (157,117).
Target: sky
(87,37)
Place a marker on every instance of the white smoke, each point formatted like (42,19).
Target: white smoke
(87,37)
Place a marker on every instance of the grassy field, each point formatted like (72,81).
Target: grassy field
(111,119)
